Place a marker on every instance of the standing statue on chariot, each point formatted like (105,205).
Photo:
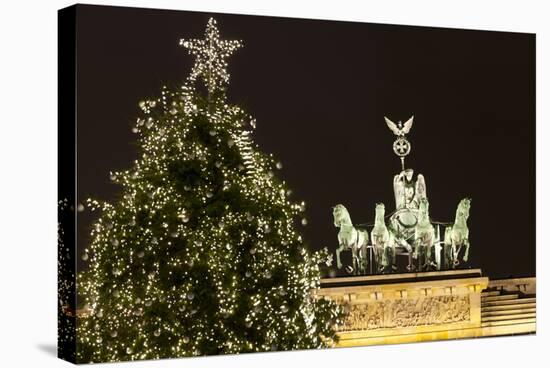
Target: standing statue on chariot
(409,230)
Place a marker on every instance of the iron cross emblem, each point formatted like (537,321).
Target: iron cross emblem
(401,146)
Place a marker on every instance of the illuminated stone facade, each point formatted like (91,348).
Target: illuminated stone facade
(388,309)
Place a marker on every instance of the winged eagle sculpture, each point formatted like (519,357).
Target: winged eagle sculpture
(400,129)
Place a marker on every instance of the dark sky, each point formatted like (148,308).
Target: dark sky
(319,91)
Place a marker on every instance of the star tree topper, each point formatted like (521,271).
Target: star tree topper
(211,53)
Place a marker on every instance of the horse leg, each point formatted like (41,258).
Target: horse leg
(437,255)
(393,258)
(425,258)
(410,266)
(359,261)
(429,250)
(449,251)
(467,250)
(455,254)
(437,248)
(383,262)
(338,262)
(389,257)
(419,251)
(355,261)
(385,259)
(407,246)
(380,257)
(363,257)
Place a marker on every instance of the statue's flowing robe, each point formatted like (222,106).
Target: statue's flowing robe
(420,191)
(399,191)
(405,192)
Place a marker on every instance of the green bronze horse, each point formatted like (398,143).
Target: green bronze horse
(383,241)
(424,236)
(350,238)
(459,231)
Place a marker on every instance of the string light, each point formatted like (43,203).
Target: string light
(66,308)
(211,53)
(200,254)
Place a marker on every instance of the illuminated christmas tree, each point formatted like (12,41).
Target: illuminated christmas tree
(66,304)
(200,254)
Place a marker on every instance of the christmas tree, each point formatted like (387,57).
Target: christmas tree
(66,304)
(200,254)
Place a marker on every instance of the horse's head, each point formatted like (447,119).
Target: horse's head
(341,215)
(423,209)
(380,211)
(464,208)
(420,187)
(424,206)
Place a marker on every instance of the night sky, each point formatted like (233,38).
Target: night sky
(319,91)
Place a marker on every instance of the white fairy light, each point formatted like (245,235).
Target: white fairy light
(192,232)
(211,53)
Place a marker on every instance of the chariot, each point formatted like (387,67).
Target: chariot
(408,230)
